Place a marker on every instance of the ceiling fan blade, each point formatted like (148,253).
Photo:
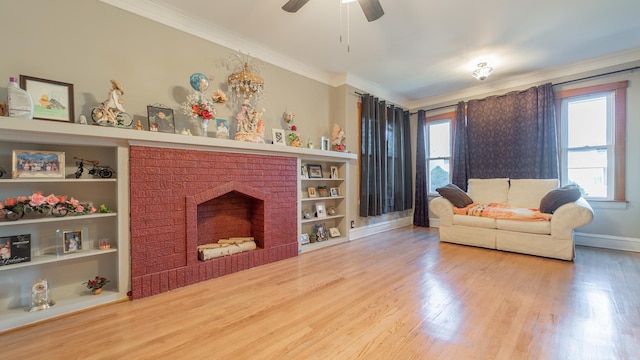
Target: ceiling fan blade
(294,5)
(372,9)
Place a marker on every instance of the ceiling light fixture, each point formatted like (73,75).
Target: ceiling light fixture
(482,72)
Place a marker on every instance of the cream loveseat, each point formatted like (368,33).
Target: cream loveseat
(552,238)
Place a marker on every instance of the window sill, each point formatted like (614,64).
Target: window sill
(608,204)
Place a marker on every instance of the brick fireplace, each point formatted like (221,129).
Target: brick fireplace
(184,198)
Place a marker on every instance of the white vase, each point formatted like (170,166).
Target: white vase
(204,127)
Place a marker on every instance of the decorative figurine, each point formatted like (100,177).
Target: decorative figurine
(138,125)
(337,138)
(82,120)
(250,126)
(111,112)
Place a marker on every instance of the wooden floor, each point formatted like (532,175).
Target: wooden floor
(395,295)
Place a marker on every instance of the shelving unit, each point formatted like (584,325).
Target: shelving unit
(65,272)
(339,220)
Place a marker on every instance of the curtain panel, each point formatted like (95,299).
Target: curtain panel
(508,136)
(385,158)
(421,211)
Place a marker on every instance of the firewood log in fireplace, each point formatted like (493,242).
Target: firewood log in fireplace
(225,247)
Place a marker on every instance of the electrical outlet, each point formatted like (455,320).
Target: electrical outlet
(353,224)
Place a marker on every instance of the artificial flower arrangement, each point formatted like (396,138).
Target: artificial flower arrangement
(97,283)
(39,205)
(199,107)
(294,139)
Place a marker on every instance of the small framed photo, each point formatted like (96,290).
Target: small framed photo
(334,172)
(304,173)
(321,210)
(161,119)
(278,137)
(315,171)
(321,232)
(37,164)
(52,100)
(324,142)
(334,191)
(222,128)
(312,192)
(334,232)
(304,238)
(72,241)
(323,191)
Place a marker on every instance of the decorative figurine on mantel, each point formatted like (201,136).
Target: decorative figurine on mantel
(337,138)
(294,138)
(111,112)
(250,126)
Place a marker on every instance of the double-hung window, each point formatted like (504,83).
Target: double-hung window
(592,138)
(439,150)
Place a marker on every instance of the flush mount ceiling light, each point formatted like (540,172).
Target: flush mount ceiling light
(482,72)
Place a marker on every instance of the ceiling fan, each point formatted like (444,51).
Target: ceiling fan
(371,8)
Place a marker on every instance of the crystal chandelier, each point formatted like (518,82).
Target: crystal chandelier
(245,84)
(482,72)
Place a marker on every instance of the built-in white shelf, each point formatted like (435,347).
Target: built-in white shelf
(328,217)
(65,180)
(320,244)
(323,198)
(56,219)
(45,259)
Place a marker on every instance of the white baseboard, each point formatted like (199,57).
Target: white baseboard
(593,240)
(367,230)
(607,241)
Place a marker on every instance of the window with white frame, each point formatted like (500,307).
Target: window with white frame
(438,152)
(591,136)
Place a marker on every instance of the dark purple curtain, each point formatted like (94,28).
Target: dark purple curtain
(512,136)
(371,164)
(460,174)
(421,211)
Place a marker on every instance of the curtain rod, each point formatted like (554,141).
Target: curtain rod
(560,83)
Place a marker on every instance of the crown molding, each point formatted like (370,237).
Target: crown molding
(544,75)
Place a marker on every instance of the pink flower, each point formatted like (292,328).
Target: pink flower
(79,208)
(37,199)
(22,199)
(294,128)
(74,202)
(51,199)
(92,210)
(206,114)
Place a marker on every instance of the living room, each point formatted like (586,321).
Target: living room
(96,42)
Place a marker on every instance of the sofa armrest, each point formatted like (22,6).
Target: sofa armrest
(570,216)
(444,209)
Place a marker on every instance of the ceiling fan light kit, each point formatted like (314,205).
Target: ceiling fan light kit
(371,8)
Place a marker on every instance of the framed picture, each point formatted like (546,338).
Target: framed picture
(278,137)
(323,191)
(334,172)
(334,232)
(324,143)
(161,119)
(315,171)
(52,100)
(321,232)
(304,173)
(334,191)
(222,128)
(312,192)
(37,164)
(72,241)
(304,238)
(321,210)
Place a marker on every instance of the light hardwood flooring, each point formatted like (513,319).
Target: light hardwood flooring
(396,295)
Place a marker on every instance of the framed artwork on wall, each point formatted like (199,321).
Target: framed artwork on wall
(161,119)
(315,171)
(37,164)
(52,100)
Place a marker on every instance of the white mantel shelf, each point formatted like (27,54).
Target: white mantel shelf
(56,131)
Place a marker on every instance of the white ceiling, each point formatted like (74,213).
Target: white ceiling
(419,49)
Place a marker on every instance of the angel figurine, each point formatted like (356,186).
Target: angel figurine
(337,138)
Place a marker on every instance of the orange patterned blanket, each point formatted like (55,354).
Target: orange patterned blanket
(502,211)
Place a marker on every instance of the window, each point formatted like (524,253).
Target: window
(439,150)
(591,136)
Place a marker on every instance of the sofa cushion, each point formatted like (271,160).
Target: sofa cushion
(455,195)
(558,197)
(486,191)
(526,193)
(474,221)
(531,227)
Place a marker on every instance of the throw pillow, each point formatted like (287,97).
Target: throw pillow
(454,194)
(558,197)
